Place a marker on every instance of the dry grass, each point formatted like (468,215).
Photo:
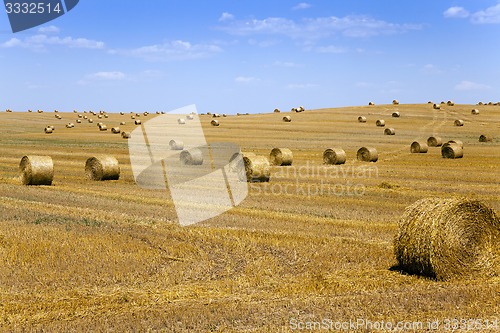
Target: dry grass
(107,256)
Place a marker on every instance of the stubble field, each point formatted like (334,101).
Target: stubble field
(312,245)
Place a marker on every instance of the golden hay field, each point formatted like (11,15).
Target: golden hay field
(108,256)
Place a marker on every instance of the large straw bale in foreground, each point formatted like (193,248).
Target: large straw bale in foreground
(102,167)
(448,238)
(36,170)
(434,141)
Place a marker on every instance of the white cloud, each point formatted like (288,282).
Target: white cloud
(40,42)
(315,28)
(174,50)
(226,17)
(331,49)
(103,77)
(49,29)
(469,85)
(490,15)
(458,12)
(430,69)
(107,76)
(302,5)
(245,79)
(301,85)
(287,64)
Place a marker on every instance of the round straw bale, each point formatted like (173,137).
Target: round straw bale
(452,151)
(126,135)
(106,116)
(457,142)
(459,122)
(419,147)
(485,138)
(474,111)
(367,154)
(380,123)
(189,117)
(395,102)
(389,131)
(257,169)
(281,157)
(29,110)
(224,115)
(287,119)
(216,115)
(70,125)
(80,116)
(138,122)
(122,123)
(334,156)
(181,121)
(79,121)
(36,170)
(362,119)
(40,111)
(48,130)
(396,114)
(434,141)
(450,103)
(214,123)
(99,116)
(191,157)
(448,238)
(99,124)
(90,120)
(176,145)
(115,130)
(122,113)
(371,103)
(277,111)
(103,128)
(209,113)
(132,117)
(436,106)
(85,117)
(103,167)
(75,111)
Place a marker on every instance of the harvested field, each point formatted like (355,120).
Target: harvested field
(316,241)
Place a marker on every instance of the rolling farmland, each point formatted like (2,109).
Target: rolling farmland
(313,243)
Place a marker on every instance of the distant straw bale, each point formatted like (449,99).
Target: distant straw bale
(281,157)
(418,147)
(176,145)
(389,131)
(191,157)
(369,154)
(485,138)
(257,169)
(103,167)
(334,156)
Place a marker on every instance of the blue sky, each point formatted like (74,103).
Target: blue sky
(252,56)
